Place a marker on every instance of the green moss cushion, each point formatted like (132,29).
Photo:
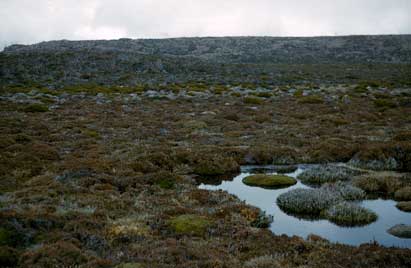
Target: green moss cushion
(190,224)
(269,181)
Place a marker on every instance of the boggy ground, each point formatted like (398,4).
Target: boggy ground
(111,180)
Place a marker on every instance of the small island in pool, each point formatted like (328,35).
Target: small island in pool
(269,180)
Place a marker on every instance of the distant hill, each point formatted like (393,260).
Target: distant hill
(211,59)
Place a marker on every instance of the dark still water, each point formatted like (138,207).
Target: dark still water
(265,199)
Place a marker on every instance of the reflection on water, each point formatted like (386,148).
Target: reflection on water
(265,199)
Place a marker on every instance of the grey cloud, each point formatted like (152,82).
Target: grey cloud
(27,21)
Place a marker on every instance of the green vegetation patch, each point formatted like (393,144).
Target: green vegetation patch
(404,206)
(307,201)
(286,169)
(403,194)
(383,182)
(327,173)
(314,99)
(214,166)
(400,230)
(269,181)
(190,224)
(314,202)
(8,257)
(350,214)
(36,108)
(385,103)
(9,237)
(253,100)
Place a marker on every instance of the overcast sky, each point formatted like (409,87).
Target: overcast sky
(31,21)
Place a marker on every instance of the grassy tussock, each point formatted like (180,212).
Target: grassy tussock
(350,214)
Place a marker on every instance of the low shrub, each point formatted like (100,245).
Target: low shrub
(307,201)
(350,214)
(283,169)
(44,152)
(8,257)
(36,108)
(60,254)
(400,230)
(385,103)
(383,182)
(264,94)
(131,265)
(345,190)
(10,237)
(165,180)
(266,155)
(403,194)
(332,150)
(404,206)
(215,165)
(262,221)
(315,201)
(402,136)
(327,173)
(253,100)
(314,99)
(266,261)
(384,156)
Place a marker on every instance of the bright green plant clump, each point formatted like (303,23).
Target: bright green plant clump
(269,181)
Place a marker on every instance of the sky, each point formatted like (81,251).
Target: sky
(32,21)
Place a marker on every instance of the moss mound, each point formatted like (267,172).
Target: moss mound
(400,230)
(190,224)
(350,214)
(269,181)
